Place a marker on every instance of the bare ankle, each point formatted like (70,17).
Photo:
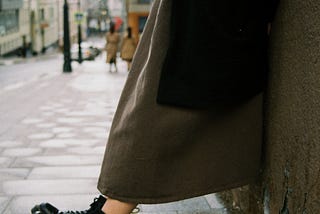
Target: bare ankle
(113,206)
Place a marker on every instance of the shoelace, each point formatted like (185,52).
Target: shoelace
(73,212)
(135,210)
(95,200)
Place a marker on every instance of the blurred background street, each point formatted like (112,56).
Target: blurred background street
(58,98)
(54,123)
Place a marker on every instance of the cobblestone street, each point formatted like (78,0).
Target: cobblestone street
(53,133)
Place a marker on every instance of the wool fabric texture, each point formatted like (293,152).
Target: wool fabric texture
(160,153)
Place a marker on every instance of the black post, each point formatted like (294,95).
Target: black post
(79,37)
(79,44)
(66,39)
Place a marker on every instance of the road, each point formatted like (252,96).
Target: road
(17,75)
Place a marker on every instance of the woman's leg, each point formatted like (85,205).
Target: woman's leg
(115,65)
(117,207)
(129,65)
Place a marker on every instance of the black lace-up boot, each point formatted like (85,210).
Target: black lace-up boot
(46,208)
(95,207)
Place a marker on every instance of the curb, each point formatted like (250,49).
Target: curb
(13,61)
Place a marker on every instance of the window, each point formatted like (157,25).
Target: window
(51,13)
(9,21)
(144,1)
(42,16)
(142,22)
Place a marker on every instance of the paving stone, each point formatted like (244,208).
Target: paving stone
(97,112)
(90,83)
(83,114)
(214,201)
(198,203)
(62,129)
(5,161)
(46,125)
(21,152)
(50,187)
(55,105)
(48,114)
(212,211)
(94,130)
(23,204)
(4,201)
(62,110)
(70,120)
(100,148)
(46,108)
(66,135)
(13,173)
(49,152)
(7,174)
(9,144)
(14,86)
(87,150)
(105,125)
(31,120)
(42,85)
(65,172)
(159,212)
(41,136)
(102,135)
(102,143)
(66,100)
(61,143)
(62,160)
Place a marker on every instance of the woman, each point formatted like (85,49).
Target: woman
(189,120)
(112,39)
(128,47)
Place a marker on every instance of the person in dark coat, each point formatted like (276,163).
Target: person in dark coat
(189,120)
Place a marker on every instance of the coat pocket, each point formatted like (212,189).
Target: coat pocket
(239,20)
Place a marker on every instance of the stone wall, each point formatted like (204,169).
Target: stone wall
(291,178)
(292,175)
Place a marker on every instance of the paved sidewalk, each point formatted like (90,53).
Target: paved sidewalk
(51,53)
(52,138)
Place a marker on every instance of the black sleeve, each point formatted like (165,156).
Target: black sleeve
(272,6)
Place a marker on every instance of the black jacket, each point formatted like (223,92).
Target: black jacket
(217,52)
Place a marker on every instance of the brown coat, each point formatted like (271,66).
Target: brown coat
(128,48)
(112,40)
(157,153)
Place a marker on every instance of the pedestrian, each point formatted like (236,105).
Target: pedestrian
(189,120)
(128,47)
(112,42)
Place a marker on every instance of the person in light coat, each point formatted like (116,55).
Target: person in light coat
(112,43)
(128,47)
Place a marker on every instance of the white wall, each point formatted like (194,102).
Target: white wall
(13,41)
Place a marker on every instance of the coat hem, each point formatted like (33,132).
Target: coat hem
(148,200)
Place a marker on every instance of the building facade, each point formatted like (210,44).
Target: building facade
(44,25)
(74,7)
(14,27)
(36,24)
(137,14)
